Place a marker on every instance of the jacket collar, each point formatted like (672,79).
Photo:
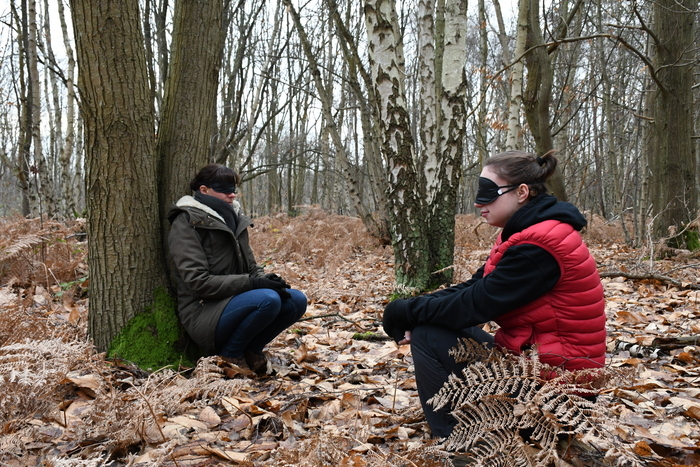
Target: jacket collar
(188,201)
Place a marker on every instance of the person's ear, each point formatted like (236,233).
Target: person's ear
(203,189)
(523,193)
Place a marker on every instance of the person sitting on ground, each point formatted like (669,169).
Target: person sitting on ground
(226,302)
(540,284)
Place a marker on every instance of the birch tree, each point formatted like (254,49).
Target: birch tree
(422,186)
(71,185)
(38,167)
(514,139)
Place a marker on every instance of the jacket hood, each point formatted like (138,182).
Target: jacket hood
(541,208)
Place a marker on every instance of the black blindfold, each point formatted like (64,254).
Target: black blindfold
(225,188)
(489,190)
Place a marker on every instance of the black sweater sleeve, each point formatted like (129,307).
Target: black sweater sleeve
(525,273)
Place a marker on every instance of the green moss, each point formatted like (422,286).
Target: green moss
(689,239)
(368,336)
(155,338)
(692,240)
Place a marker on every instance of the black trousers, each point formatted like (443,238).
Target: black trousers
(433,363)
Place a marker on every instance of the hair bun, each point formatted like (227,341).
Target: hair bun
(539,160)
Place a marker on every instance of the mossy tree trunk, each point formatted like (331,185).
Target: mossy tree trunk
(125,258)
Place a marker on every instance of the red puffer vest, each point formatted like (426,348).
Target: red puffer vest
(568,322)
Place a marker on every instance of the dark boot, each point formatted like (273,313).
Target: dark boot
(233,366)
(256,361)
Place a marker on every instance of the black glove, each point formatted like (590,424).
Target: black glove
(394,319)
(265,283)
(275,277)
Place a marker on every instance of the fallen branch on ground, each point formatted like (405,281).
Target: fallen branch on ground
(655,277)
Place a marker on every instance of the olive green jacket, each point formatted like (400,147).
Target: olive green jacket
(211,264)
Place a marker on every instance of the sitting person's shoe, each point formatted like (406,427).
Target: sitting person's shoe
(256,361)
(233,366)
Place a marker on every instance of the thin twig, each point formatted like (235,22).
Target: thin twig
(336,315)
(650,276)
(155,418)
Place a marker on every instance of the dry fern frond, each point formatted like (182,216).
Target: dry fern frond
(38,251)
(476,419)
(20,244)
(469,351)
(503,397)
(498,374)
(31,372)
(503,448)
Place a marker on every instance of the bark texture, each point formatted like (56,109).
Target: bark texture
(188,123)
(126,264)
(672,159)
(405,198)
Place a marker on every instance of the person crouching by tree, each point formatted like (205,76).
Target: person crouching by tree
(226,302)
(540,284)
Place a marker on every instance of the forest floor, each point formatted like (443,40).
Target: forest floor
(343,395)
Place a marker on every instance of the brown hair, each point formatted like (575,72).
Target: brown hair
(518,167)
(214,173)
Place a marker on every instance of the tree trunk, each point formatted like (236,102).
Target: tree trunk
(405,194)
(450,41)
(482,130)
(42,195)
(125,256)
(68,173)
(538,89)
(672,159)
(515,101)
(188,120)
(24,139)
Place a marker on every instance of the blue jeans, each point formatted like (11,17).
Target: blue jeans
(252,319)
(430,346)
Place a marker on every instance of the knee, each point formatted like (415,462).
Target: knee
(421,334)
(299,300)
(269,299)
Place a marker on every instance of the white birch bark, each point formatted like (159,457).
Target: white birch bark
(453,80)
(514,140)
(481,131)
(70,183)
(406,205)
(429,105)
(55,120)
(41,196)
(451,35)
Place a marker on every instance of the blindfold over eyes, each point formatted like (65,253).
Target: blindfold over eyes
(488,190)
(226,188)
